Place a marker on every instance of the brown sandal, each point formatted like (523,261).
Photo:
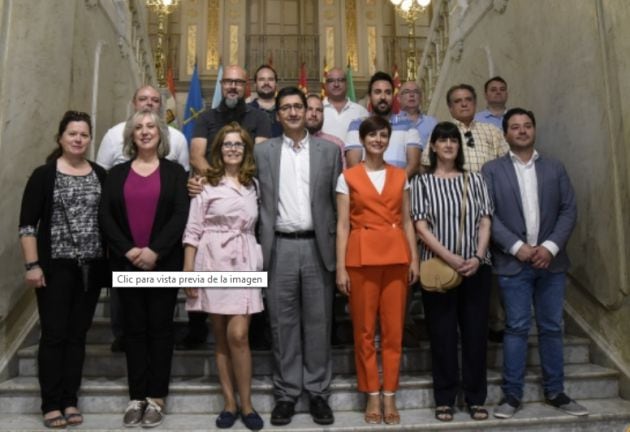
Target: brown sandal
(477,412)
(444,413)
(373,417)
(392,417)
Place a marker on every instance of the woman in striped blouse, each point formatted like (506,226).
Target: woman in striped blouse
(436,205)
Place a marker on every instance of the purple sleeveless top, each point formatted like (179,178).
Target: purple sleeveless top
(141,199)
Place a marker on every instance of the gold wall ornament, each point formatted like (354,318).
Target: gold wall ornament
(330,45)
(191,48)
(233,44)
(212,40)
(371,49)
(162,8)
(351,34)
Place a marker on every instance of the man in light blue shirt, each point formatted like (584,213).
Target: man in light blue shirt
(496,98)
(410,97)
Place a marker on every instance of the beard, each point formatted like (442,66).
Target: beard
(381,112)
(313,128)
(266,95)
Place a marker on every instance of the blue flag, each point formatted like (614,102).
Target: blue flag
(217,96)
(194,105)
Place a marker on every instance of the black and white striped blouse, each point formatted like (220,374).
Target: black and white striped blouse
(438,201)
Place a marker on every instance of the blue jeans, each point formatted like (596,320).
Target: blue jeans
(545,290)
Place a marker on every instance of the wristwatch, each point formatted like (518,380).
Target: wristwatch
(31,265)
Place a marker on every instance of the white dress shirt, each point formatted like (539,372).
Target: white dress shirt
(528,186)
(294,195)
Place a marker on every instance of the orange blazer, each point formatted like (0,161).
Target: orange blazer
(377,235)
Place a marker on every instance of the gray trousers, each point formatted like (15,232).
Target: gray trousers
(299,300)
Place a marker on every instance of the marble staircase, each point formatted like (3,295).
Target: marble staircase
(195,396)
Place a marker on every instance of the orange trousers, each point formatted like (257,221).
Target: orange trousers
(378,291)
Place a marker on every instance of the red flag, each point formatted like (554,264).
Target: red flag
(170,82)
(322,92)
(170,105)
(397,85)
(270,59)
(302,83)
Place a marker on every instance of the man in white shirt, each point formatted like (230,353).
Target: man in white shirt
(535,213)
(339,111)
(110,151)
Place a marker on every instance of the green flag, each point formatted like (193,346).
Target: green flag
(350,84)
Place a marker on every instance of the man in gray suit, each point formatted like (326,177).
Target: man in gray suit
(535,213)
(297,174)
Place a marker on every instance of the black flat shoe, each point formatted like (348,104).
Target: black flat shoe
(226,419)
(252,421)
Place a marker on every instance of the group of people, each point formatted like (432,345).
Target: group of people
(269,192)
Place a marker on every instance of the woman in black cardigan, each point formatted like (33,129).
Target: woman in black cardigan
(143,215)
(64,261)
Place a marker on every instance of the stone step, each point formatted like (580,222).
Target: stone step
(203,394)
(100,361)
(611,414)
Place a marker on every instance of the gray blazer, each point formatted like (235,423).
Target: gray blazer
(558,211)
(325,167)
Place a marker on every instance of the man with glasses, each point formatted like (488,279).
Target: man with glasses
(297,174)
(232,108)
(339,111)
(410,97)
(482,141)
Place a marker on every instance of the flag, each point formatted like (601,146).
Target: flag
(218,95)
(171,102)
(350,93)
(302,83)
(322,91)
(194,105)
(270,59)
(397,85)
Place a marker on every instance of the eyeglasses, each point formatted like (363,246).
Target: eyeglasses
(470,141)
(406,92)
(335,80)
(229,145)
(287,107)
(233,82)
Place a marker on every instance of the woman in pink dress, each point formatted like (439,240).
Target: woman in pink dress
(220,236)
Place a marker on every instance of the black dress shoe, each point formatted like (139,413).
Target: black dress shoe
(282,413)
(118,345)
(321,412)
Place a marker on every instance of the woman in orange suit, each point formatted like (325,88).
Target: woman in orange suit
(376,260)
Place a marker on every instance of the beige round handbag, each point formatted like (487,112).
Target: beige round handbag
(435,274)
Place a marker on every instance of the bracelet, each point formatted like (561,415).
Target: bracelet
(478,258)
(31,265)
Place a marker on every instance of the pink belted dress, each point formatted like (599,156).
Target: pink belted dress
(221,226)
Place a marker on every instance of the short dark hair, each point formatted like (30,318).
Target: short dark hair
(494,78)
(516,111)
(372,124)
(380,76)
(290,91)
(266,66)
(445,130)
(460,87)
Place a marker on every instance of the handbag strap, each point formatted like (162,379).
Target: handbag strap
(462,216)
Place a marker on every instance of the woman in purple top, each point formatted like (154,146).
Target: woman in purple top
(220,236)
(143,214)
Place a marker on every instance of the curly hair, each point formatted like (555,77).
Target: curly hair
(215,173)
